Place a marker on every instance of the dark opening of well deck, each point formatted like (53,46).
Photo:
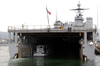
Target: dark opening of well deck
(60,44)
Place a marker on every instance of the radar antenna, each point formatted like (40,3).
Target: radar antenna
(79,13)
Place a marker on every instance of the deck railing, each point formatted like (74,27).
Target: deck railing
(40,27)
(28,27)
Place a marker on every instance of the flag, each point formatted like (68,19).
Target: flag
(48,11)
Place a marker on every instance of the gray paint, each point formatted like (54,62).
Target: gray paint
(77,26)
(9,35)
(88,50)
(13,49)
(85,37)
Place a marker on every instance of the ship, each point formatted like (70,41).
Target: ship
(70,39)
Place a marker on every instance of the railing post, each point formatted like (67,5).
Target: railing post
(40,27)
(93,35)
(9,37)
(85,37)
(27,27)
(8,28)
(33,26)
(11,28)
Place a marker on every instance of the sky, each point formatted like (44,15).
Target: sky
(33,12)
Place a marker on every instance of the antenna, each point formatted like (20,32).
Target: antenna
(97,19)
(79,9)
(56,15)
(97,15)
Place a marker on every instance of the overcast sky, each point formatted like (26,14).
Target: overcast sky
(33,12)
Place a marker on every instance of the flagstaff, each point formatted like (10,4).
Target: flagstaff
(48,16)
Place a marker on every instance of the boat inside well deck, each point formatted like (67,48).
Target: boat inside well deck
(60,44)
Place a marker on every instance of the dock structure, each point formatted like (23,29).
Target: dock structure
(63,39)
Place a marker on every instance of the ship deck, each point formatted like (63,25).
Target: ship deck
(62,42)
(41,29)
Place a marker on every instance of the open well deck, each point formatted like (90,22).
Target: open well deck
(61,42)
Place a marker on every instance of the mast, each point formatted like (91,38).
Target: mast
(97,19)
(56,15)
(79,10)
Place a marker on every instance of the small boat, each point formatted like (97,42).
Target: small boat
(41,50)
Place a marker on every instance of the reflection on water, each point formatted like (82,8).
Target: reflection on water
(43,61)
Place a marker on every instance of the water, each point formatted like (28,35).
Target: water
(43,61)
